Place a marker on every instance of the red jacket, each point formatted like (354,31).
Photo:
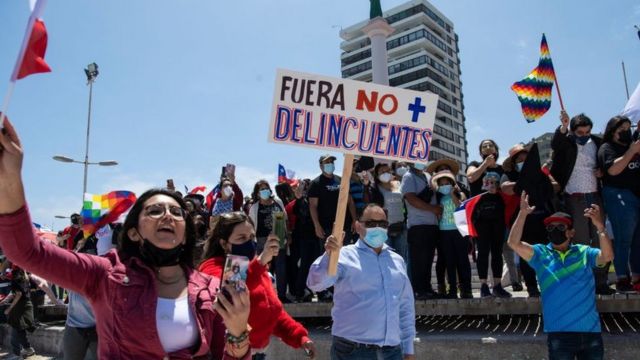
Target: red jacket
(267,314)
(120,294)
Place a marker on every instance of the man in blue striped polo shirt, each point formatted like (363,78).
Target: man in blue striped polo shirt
(565,274)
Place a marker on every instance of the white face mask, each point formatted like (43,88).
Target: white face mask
(401,171)
(385,177)
(227,191)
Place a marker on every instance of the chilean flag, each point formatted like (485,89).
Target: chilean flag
(34,46)
(286,175)
(462,216)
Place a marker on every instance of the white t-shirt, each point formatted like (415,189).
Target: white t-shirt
(177,327)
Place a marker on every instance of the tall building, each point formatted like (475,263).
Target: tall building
(423,56)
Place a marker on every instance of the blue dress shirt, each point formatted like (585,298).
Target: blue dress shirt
(373,298)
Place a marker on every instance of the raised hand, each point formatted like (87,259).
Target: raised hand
(490,160)
(595,214)
(233,309)
(11,156)
(564,120)
(525,208)
(271,249)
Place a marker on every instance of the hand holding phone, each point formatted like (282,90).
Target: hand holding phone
(170,185)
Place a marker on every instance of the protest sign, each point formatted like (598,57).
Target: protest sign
(352,117)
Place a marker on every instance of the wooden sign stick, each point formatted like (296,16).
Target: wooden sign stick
(341,211)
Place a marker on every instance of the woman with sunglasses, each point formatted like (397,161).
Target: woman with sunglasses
(619,159)
(149,302)
(234,233)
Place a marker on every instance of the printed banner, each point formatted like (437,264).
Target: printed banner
(348,116)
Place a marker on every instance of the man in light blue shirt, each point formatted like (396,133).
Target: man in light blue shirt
(373,312)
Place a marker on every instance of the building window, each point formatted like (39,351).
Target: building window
(356,57)
(356,69)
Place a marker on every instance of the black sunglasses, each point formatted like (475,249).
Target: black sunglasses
(561,227)
(376,223)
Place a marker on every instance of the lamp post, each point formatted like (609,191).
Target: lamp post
(92,73)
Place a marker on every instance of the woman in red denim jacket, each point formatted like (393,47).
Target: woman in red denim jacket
(148,300)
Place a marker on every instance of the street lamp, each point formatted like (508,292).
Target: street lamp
(92,73)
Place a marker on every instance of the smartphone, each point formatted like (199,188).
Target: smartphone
(235,271)
(230,170)
(223,172)
(170,184)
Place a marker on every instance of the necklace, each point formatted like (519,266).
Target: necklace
(170,282)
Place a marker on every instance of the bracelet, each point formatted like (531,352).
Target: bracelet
(602,233)
(231,339)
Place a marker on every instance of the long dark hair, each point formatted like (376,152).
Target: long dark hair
(285,193)
(494,144)
(256,190)
(612,126)
(222,229)
(128,248)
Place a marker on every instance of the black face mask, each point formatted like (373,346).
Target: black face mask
(247,249)
(75,221)
(157,257)
(582,140)
(556,237)
(625,137)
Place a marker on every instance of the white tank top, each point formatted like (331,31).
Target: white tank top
(177,327)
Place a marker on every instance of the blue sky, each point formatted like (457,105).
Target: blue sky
(184,89)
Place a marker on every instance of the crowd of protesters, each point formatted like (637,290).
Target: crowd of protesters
(402,211)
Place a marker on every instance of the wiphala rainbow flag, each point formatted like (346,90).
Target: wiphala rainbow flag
(534,91)
(100,210)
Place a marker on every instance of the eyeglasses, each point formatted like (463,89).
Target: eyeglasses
(157,211)
(560,227)
(376,223)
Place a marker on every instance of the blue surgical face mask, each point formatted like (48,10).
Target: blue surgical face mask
(581,140)
(375,237)
(265,194)
(519,166)
(419,166)
(445,189)
(400,171)
(329,168)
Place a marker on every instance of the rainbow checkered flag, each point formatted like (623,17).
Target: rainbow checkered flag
(100,210)
(534,91)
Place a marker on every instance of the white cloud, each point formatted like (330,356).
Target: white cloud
(521,43)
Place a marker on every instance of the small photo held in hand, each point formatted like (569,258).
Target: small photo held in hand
(235,271)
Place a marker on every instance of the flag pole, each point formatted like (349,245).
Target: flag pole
(559,95)
(35,13)
(626,85)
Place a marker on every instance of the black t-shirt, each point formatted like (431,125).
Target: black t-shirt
(303,228)
(21,285)
(326,190)
(476,186)
(489,207)
(265,218)
(629,178)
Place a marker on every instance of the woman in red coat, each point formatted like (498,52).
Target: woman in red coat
(234,234)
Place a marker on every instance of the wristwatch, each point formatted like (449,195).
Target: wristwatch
(602,233)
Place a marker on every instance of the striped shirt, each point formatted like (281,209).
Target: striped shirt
(567,287)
